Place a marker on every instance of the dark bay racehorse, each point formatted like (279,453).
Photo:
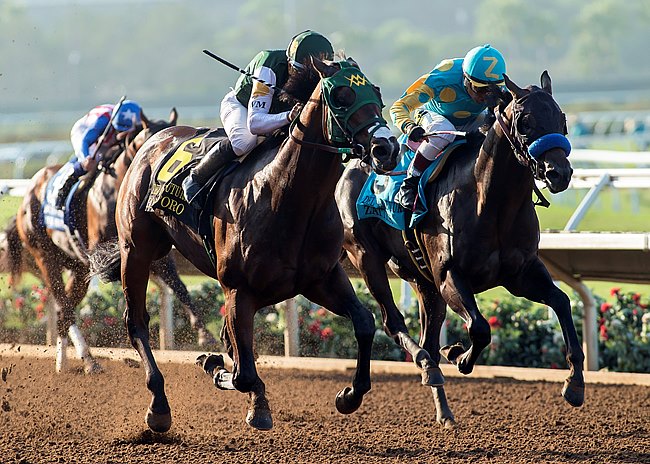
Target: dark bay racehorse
(277,233)
(481,232)
(53,252)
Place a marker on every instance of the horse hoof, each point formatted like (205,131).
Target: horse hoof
(93,367)
(346,401)
(452,352)
(447,423)
(573,394)
(259,419)
(432,377)
(159,423)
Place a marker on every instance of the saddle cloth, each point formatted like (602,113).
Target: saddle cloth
(50,216)
(377,197)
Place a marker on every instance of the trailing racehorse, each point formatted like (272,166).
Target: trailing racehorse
(53,252)
(276,234)
(481,231)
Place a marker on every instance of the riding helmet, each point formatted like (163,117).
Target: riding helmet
(126,116)
(308,43)
(484,65)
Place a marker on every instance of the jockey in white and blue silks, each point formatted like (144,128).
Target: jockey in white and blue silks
(86,132)
(451,97)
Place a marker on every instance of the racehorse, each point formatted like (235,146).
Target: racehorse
(52,252)
(481,231)
(277,233)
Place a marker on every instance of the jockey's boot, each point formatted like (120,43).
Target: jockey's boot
(65,189)
(214,160)
(408,191)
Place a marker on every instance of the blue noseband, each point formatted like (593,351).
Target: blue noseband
(547,142)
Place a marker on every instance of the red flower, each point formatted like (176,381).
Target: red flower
(554,366)
(110,320)
(314,327)
(222,310)
(494,322)
(326,333)
(322,312)
(615,291)
(605,307)
(603,332)
(636,298)
(635,312)
(20,302)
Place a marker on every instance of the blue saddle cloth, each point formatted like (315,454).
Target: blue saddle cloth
(377,197)
(50,216)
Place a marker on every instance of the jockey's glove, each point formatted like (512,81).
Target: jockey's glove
(416,133)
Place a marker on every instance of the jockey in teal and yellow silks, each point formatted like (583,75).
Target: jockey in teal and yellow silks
(450,97)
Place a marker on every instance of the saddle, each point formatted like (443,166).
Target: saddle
(165,195)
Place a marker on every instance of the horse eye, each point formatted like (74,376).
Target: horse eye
(526,123)
(343,97)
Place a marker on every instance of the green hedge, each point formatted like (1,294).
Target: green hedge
(523,334)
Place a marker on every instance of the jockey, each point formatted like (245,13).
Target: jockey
(254,109)
(86,133)
(452,97)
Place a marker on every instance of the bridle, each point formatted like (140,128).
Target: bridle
(336,125)
(527,154)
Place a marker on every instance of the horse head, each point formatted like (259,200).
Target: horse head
(537,133)
(353,115)
(133,140)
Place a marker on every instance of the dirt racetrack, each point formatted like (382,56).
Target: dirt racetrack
(73,418)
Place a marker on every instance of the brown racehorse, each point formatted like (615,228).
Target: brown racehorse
(481,231)
(277,233)
(54,252)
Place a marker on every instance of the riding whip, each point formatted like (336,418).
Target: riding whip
(445,132)
(116,110)
(243,71)
(102,164)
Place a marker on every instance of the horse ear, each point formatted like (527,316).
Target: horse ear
(515,90)
(546,82)
(353,62)
(324,70)
(145,122)
(173,116)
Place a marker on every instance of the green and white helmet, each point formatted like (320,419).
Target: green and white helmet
(308,43)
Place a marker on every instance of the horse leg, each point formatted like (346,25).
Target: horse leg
(165,268)
(433,310)
(460,298)
(51,273)
(335,293)
(135,276)
(76,288)
(240,311)
(373,270)
(536,284)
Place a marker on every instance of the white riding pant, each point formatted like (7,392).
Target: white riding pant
(432,122)
(234,117)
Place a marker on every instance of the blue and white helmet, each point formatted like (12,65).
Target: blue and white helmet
(484,65)
(126,116)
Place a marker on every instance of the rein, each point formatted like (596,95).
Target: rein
(524,157)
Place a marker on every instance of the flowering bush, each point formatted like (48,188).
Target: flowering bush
(624,333)
(523,333)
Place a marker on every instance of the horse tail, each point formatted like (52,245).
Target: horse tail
(11,255)
(105,261)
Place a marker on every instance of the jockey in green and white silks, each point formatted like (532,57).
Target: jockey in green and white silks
(254,109)
(450,97)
